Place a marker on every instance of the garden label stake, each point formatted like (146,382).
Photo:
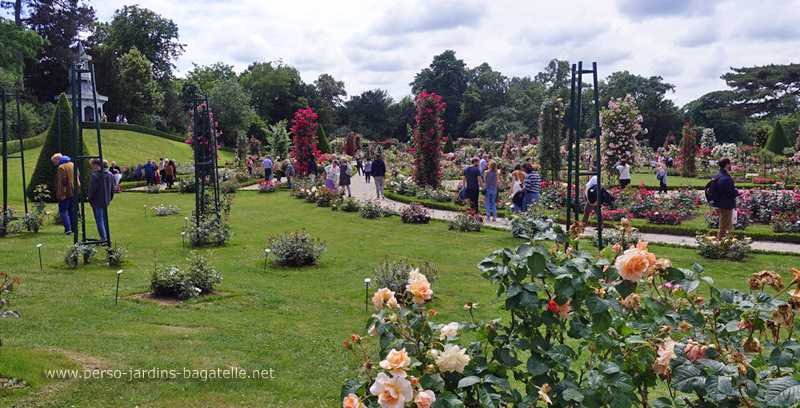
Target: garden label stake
(39,248)
(119,272)
(366,294)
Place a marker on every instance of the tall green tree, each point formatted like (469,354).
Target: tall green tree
(368,114)
(659,114)
(525,97)
(765,91)
(703,111)
(139,94)
(207,76)
(447,77)
(487,90)
(154,36)
(322,141)
(18,42)
(331,95)
(232,109)
(59,22)
(275,90)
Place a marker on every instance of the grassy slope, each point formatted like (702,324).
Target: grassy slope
(122,146)
(292,321)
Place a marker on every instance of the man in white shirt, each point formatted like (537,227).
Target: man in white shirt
(484,164)
(624,170)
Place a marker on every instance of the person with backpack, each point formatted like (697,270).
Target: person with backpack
(661,176)
(344,178)
(721,194)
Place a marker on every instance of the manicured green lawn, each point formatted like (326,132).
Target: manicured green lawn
(290,321)
(123,146)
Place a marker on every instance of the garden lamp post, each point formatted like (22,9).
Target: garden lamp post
(266,256)
(183,240)
(145,211)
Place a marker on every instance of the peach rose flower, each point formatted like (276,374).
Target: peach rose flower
(392,303)
(352,401)
(392,392)
(381,295)
(419,287)
(453,358)
(635,262)
(396,361)
(425,399)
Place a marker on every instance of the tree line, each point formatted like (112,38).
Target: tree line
(134,55)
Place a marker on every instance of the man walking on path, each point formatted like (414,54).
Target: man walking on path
(725,200)
(267,168)
(378,171)
(100,199)
(473,182)
(150,172)
(367,170)
(65,191)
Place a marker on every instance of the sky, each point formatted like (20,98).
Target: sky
(383,44)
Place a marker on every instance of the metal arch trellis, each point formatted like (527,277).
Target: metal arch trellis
(21,155)
(204,141)
(574,148)
(76,142)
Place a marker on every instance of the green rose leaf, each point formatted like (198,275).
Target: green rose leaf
(351,386)
(782,392)
(432,382)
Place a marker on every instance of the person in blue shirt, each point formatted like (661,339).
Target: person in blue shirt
(150,172)
(267,168)
(725,203)
(473,182)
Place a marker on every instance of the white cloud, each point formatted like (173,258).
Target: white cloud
(369,44)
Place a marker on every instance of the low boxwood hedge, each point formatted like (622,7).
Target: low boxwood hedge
(432,204)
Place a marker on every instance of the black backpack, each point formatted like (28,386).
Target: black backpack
(712,194)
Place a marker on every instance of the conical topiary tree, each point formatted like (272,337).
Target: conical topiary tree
(777,140)
(45,172)
(449,147)
(322,141)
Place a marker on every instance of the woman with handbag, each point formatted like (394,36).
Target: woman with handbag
(517,181)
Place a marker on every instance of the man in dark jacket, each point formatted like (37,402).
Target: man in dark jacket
(101,192)
(378,173)
(150,172)
(726,198)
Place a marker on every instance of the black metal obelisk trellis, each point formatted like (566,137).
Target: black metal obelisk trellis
(20,156)
(76,76)
(204,141)
(574,132)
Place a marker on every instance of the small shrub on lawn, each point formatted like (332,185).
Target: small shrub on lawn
(785,222)
(163,211)
(296,249)
(466,221)
(624,236)
(229,186)
(373,209)
(394,275)
(153,189)
(728,248)
(530,225)
(197,278)
(114,255)
(211,231)
(325,197)
(74,252)
(415,214)
(349,204)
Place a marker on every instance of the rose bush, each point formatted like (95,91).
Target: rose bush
(587,331)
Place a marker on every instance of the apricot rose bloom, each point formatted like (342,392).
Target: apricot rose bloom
(425,399)
(635,262)
(453,358)
(380,296)
(419,287)
(352,401)
(396,362)
(392,392)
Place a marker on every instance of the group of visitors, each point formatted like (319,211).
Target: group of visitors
(278,169)
(101,192)
(122,119)
(154,173)
(483,175)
